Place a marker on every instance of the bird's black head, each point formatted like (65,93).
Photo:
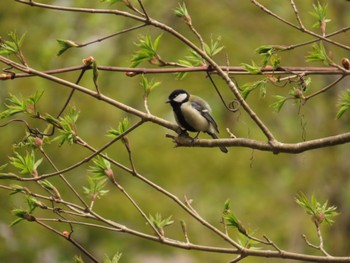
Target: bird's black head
(178,96)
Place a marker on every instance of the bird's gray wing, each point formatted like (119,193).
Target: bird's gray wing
(205,111)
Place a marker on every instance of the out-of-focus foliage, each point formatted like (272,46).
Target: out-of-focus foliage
(261,185)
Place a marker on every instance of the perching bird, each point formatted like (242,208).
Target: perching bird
(192,113)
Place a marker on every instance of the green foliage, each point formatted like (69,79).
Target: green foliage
(320,12)
(147,51)
(148,85)
(115,258)
(280,100)
(26,164)
(96,187)
(247,88)
(191,60)
(318,212)
(65,45)
(17,105)
(78,259)
(318,54)
(101,167)
(269,54)
(181,11)
(159,223)
(344,104)
(247,242)
(22,214)
(13,46)
(67,126)
(252,69)
(231,219)
(122,127)
(214,48)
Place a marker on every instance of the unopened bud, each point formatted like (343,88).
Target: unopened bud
(88,61)
(346,63)
(38,142)
(66,234)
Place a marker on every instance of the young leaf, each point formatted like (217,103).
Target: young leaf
(320,13)
(318,54)
(214,47)
(96,187)
(344,104)
(26,164)
(181,11)
(280,100)
(13,46)
(318,212)
(159,223)
(251,86)
(147,51)
(122,127)
(68,128)
(253,68)
(65,45)
(148,85)
(115,258)
(101,167)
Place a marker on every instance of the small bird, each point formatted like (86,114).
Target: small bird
(192,113)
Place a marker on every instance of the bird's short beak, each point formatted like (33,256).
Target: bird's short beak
(168,101)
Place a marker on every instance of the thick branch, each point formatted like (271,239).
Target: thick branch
(279,147)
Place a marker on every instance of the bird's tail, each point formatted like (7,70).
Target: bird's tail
(214,136)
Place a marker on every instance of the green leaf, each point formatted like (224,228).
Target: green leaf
(96,187)
(252,69)
(78,259)
(214,47)
(320,13)
(318,54)
(280,100)
(343,103)
(12,46)
(101,166)
(148,85)
(122,127)
(68,128)
(26,164)
(158,222)
(251,86)
(147,51)
(319,212)
(269,53)
(232,221)
(65,45)
(115,258)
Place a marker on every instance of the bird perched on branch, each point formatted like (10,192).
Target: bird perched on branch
(193,114)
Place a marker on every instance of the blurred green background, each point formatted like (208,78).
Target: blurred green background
(260,185)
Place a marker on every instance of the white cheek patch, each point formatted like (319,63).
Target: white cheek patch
(180,98)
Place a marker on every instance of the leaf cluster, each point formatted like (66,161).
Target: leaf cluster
(159,222)
(26,164)
(318,212)
(13,46)
(320,13)
(231,219)
(15,105)
(148,85)
(147,51)
(67,124)
(344,104)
